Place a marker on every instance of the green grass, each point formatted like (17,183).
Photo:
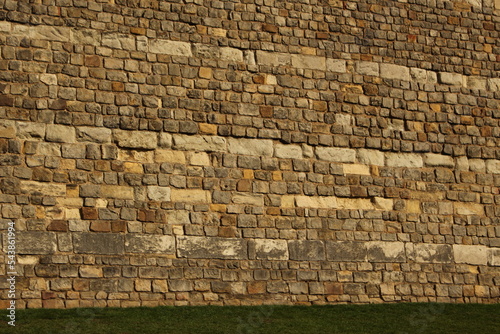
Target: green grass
(381,318)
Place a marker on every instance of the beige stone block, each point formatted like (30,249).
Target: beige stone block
(409,160)
(476,83)
(199,159)
(386,251)
(248,199)
(190,195)
(48,149)
(72,213)
(206,128)
(170,156)
(471,254)
(307,61)
(391,71)
(93,134)
(43,188)
(288,201)
(231,54)
(135,139)
(273,58)
(60,133)
(356,169)
(268,249)
(288,151)
(150,244)
(494,83)
(438,160)
(336,65)
(173,48)
(493,166)
(51,33)
(133,167)
(243,146)
(157,193)
(320,202)
(199,143)
(90,272)
(447,78)
(119,41)
(371,157)
(355,203)
(336,154)
(468,208)
(217,32)
(367,68)
(385,204)
(211,247)
(121,192)
(177,217)
(8,129)
(429,253)
(85,37)
(135,155)
(494,257)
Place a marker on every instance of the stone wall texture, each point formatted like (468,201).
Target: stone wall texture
(189,152)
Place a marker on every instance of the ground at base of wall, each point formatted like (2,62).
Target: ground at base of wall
(374,318)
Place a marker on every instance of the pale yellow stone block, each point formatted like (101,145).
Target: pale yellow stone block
(218,207)
(356,169)
(277,176)
(67,164)
(248,174)
(136,156)
(70,201)
(170,156)
(469,209)
(199,159)
(133,167)
(206,128)
(355,203)
(72,213)
(190,195)
(121,192)
(413,206)
(287,201)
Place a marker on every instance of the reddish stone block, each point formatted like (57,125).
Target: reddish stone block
(92,61)
(119,226)
(256,287)
(6,101)
(89,213)
(100,226)
(146,215)
(227,232)
(333,288)
(269,28)
(58,225)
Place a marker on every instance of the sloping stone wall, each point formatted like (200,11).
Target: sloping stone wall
(249,152)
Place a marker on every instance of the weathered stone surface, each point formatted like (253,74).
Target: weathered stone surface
(371,157)
(382,251)
(190,195)
(85,37)
(268,249)
(367,68)
(494,84)
(178,217)
(306,250)
(7,129)
(170,156)
(336,65)
(153,244)
(231,54)
(34,242)
(356,169)
(156,193)
(476,82)
(199,143)
(211,247)
(446,78)
(349,251)
(306,61)
(199,159)
(174,48)
(380,203)
(494,257)
(493,166)
(429,253)
(273,58)
(409,160)
(135,139)
(98,243)
(60,133)
(121,192)
(248,199)
(43,188)
(320,202)
(288,151)
(259,147)
(470,254)
(118,41)
(336,154)
(51,33)
(438,160)
(92,134)
(391,71)
(468,209)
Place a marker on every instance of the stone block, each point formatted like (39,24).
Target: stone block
(494,257)
(150,244)
(336,154)
(409,160)
(382,251)
(367,68)
(60,133)
(98,243)
(211,248)
(371,157)
(288,151)
(386,204)
(355,204)
(118,41)
(82,36)
(93,134)
(268,249)
(493,166)
(429,253)
(391,71)
(356,169)
(33,242)
(156,193)
(231,54)
(173,48)
(336,65)
(51,33)
(438,160)
(258,147)
(199,143)
(8,129)
(178,217)
(174,157)
(306,250)
(348,251)
(135,139)
(470,254)
(121,192)
(320,202)
(447,78)
(190,195)
(273,58)
(468,209)
(476,83)
(311,62)
(248,199)
(43,188)
(199,159)
(494,84)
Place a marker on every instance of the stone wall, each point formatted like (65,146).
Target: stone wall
(245,152)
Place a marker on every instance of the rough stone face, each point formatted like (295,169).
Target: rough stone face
(391,71)
(273,58)
(211,247)
(336,65)
(248,199)
(135,139)
(154,244)
(157,193)
(367,68)
(430,253)
(327,202)
(380,251)
(450,78)
(349,251)
(98,243)
(34,242)
(268,249)
(190,195)
(121,192)
(306,250)
(92,134)
(493,166)
(288,151)
(336,154)
(409,160)
(257,147)
(470,254)
(312,62)
(438,160)
(231,54)
(494,257)
(371,157)
(60,133)
(47,189)
(199,143)
(174,48)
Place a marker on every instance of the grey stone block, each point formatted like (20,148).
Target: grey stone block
(308,250)
(98,243)
(349,251)
(139,243)
(211,247)
(34,242)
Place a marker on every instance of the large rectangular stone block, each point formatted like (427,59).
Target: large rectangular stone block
(51,33)
(471,254)
(307,61)
(173,48)
(306,250)
(190,195)
(493,166)
(243,146)
(231,54)
(34,242)
(43,188)
(367,68)
(98,243)
(392,71)
(320,202)
(273,58)
(136,139)
(371,157)
(336,65)
(149,243)
(248,199)
(494,257)
(468,208)
(348,251)
(429,253)
(199,143)
(93,134)
(336,154)
(439,160)
(60,133)
(386,251)
(156,193)
(121,192)
(409,160)
(211,247)
(268,249)
(288,151)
